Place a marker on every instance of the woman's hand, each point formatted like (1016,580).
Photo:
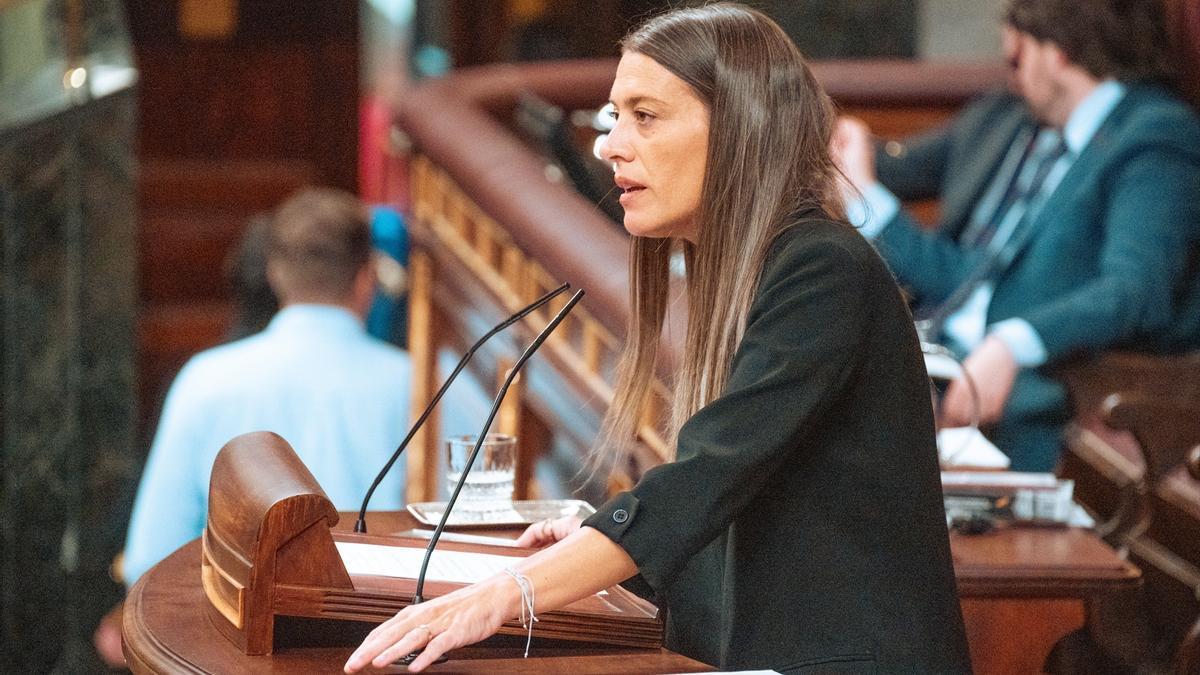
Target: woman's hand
(584,563)
(549,531)
(463,617)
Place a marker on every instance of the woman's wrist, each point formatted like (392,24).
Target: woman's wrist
(506,593)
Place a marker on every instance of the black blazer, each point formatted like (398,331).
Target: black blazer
(801,527)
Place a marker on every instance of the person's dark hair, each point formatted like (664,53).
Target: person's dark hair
(768,160)
(1121,39)
(254,303)
(319,240)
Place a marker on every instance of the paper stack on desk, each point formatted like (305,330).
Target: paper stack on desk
(460,567)
(1035,497)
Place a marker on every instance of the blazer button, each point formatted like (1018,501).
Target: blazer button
(620,515)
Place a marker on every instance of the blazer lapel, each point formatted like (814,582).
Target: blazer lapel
(1080,171)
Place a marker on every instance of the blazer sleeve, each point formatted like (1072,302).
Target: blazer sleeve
(916,167)
(1150,224)
(930,264)
(799,350)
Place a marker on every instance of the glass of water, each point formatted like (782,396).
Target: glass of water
(489,484)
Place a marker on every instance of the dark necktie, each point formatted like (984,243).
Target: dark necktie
(1010,221)
(1018,194)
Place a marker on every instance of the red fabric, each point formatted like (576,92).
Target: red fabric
(382,175)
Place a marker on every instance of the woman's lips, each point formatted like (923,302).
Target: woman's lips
(628,190)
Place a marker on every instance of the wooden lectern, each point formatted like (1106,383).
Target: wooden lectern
(268,552)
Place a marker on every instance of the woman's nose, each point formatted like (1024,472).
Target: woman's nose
(614,148)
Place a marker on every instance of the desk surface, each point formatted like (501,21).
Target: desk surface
(1038,561)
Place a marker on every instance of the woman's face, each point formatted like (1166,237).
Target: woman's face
(658,148)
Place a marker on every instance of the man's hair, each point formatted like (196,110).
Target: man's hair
(1121,39)
(317,242)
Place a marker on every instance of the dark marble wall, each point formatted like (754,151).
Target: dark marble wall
(67,466)
(474,33)
(850,28)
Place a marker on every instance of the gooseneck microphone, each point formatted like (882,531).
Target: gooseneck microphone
(360,525)
(462,479)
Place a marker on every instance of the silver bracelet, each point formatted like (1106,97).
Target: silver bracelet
(526,587)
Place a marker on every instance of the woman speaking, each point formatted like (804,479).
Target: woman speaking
(800,527)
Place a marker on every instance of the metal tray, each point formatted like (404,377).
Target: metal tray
(521,513)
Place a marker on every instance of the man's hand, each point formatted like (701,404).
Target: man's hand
(993,369)
(854,151)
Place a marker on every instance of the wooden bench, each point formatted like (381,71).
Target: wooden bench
(1136,463)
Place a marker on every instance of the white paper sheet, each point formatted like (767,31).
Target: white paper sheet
(405,562)
(942,367)
(966,446)
(1012,479)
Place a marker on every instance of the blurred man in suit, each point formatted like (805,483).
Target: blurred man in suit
(1069,214)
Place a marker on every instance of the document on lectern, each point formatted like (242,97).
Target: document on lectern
(458,567)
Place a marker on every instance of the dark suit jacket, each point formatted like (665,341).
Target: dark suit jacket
(1110,258)
(802,527)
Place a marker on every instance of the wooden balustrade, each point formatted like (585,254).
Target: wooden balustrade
(583,349)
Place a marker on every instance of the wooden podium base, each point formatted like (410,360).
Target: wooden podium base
(166,631)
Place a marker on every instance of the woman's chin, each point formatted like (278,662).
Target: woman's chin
(641,228)
(637,230)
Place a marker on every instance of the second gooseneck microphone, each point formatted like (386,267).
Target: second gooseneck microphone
(512,374)
(360,525)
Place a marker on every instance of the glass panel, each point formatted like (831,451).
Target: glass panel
(55,54)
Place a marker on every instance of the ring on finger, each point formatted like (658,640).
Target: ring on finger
(428,631)
(547,527)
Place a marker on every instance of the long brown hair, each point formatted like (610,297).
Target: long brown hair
(768,160)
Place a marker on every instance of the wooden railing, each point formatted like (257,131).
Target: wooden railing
(457,236)
(491,231)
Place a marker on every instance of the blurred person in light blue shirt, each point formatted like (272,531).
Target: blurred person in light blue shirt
(314,376)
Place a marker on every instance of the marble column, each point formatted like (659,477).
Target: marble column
(67,411)
(67,318)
